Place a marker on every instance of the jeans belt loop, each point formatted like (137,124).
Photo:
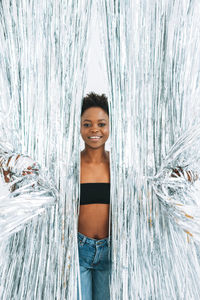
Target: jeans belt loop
(83,240)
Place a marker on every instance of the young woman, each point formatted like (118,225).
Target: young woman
(93,222)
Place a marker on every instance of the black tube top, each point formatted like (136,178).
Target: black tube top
(96,192)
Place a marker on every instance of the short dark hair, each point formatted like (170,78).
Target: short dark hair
(94,100)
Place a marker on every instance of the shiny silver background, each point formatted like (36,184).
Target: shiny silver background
(152,64)
(43,45)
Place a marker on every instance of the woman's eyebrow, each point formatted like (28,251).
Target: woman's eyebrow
(87,120)
(91,121)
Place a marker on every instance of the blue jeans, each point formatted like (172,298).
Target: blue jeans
(94,261)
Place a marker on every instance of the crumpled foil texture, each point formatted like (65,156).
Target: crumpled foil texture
(23,195)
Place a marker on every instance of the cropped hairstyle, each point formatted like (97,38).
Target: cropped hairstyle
(94,100)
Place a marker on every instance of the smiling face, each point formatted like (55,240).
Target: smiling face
(95,127)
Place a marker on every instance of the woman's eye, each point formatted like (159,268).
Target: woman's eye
(102,124)
(86,125)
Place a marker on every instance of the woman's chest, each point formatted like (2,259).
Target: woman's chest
(94,173)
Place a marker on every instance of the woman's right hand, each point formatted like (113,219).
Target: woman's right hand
(7,170)
(179,171)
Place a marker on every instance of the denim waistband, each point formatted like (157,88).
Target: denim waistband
(91,241)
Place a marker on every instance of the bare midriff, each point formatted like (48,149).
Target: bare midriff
(94,220)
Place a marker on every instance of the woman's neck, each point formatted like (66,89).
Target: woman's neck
(94,156)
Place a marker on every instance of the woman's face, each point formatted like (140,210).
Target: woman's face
(95,127)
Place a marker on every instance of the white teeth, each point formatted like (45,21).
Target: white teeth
(94,137)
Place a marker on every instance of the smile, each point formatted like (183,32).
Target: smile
(95,137)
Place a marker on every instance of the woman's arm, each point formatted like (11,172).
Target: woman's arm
(179,192)
(30,195)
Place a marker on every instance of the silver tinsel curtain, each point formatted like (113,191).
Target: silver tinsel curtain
(153,65)
(43,45)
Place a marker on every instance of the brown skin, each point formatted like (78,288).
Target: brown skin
(7,173)
(179,172)
(94,218)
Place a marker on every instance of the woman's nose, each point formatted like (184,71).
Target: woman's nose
(94,129)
